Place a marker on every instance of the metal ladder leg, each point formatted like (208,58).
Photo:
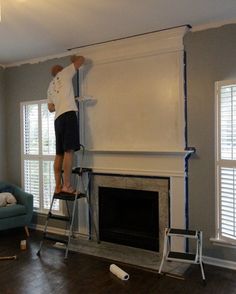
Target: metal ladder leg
(45,227)
(165,245)
(200,256)
(92,218)
(71,226)
(85,188)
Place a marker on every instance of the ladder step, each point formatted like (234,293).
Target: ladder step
(173,255)
(80,171)
(59,217)
(68,196)
(183,233)
(56,239)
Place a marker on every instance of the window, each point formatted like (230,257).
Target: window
(226,160)
(38,138)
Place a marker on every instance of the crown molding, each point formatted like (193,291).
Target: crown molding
(212,25)
(172,37)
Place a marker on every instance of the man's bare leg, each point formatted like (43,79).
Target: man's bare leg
(57,172)
(67,165)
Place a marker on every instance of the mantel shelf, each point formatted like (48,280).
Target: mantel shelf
(139,151)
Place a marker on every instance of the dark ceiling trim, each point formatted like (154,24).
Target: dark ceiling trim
(123,38)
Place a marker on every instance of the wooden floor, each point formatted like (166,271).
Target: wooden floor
(86,274)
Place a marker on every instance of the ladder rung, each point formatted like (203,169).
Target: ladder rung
(68,196)
(59,217)
(183,233)
(56,239)
(173,255)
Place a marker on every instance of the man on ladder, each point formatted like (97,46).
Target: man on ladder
(61,99)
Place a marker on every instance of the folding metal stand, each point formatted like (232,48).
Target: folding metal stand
(70,217)
(169,255)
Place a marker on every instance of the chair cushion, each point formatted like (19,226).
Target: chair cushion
(13,210)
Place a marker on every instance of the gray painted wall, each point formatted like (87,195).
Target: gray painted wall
(2,127)
(24,83)
(211,56)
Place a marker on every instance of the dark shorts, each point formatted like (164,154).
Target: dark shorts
(67,132)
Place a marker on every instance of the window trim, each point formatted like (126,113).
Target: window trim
(39,157)
(223,240)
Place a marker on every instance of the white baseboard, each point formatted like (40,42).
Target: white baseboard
(219,262)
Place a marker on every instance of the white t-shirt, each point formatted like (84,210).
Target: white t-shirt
(61,91)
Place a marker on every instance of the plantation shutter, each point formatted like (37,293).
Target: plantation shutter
(31,147)
(227,202)
(31,180)
(227,161)
(48,148)
(48,133)
(31,129)
(48,185)
(38,153)
(228,122)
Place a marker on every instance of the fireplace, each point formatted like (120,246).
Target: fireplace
(129,217)
(155,191)
(165,195)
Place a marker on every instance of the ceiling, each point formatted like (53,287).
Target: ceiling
(32,29)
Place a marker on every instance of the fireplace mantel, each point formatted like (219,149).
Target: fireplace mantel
(162,163)
(166,151)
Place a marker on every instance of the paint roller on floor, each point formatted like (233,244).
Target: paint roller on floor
(119,272)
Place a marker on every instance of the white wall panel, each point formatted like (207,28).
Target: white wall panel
(138,87)
(138,104)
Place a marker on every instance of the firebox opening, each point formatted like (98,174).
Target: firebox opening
(129,217)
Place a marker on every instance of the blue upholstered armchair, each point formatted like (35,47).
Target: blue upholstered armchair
(19,214)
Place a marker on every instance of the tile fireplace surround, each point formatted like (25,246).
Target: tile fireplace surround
(160,185)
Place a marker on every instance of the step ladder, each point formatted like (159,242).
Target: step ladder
(191,258)
(69,218)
